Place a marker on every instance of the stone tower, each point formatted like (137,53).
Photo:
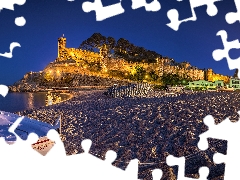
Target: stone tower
(61,46)
(209,75)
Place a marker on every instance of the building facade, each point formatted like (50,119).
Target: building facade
(234,83)
(205,84)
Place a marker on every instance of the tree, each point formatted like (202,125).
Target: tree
(153,76)
(140,73)
(93,43)
(171,79)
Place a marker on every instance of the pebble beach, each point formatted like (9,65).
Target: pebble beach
(148,128)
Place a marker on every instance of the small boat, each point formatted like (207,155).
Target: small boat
(27,126)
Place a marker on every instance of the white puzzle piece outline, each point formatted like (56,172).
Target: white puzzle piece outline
(153,6)
(10,54)
(103,12)
(173,14)
(9,4)
(232,17)
(19,21)
(233,147)
(3,90)
(55,162)
(219,54)
(180,162)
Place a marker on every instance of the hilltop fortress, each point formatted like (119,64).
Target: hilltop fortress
(75,67)
(75,61)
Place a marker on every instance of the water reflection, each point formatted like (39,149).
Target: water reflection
(30,101)
(15,102)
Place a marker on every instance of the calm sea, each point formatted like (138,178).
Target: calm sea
(15,102)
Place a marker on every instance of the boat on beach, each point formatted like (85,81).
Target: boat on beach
(27,126)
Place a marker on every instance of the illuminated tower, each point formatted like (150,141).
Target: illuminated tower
(61,46)
(210,75)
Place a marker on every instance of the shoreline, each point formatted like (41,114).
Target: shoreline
(123,123)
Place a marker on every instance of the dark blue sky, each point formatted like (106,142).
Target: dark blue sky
(46,20)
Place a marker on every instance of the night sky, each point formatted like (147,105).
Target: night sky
(46,20)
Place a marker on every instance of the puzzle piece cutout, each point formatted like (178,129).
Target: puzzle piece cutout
(19,21)
(9,4)
(232,17)
(10,54)
(172,161)
(94,163)
(219,54)
(153,6)
(102,12)
(3,90)
(173,14)
(232,135)
(56,159)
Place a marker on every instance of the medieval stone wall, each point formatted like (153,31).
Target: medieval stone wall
(82,58)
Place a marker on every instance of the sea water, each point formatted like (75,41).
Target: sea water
(19,101)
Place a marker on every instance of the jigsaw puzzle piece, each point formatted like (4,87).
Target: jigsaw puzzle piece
(56,142)
(90,163)
(3,90)
(9,4)
(232,17)
(173,14)
(231,169)
(219,54)
(102,12)
(171,161)
(157,174)
(153,6)
(233,148)
(215,131)
(11,47)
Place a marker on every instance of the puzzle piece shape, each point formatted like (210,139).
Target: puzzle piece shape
(9,4)
(173,14)
(232,135)
(157,174)
(171,161)
(219,54)
(56,164)
(101,168)
(102,12)
(232,17)
(153,6)
(3,90)
(12,46)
